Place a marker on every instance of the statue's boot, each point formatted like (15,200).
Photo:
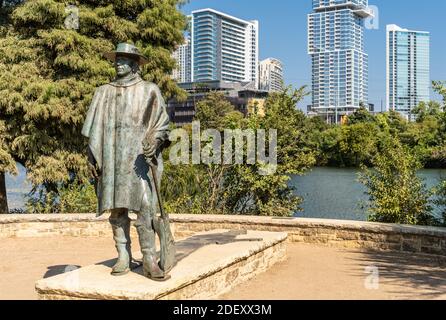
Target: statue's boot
(150,265)
(121,235)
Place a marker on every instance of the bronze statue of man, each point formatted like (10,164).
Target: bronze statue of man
(127,126)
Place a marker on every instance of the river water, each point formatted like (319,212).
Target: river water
(334,193)
(329,193)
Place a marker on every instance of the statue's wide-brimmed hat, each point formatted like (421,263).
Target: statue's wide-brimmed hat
(128,50)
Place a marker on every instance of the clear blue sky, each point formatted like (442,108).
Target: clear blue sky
(283,34)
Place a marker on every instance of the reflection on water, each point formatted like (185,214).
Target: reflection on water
(334,193)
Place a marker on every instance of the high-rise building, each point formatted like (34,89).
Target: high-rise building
(224,48)
(339,62)
(271,75)
(408,79)
(183,72)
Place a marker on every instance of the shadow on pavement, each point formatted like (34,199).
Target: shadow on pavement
(406,271)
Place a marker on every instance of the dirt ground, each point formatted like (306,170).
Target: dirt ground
(310,272)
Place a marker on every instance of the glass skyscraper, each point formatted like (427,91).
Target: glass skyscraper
(224,48)
(408,78)
(339,62)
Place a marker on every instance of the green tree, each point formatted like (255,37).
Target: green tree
(396,194)
(395,123)
(440,88)
(314,133)
(359,143)
(427,136)
(212,110)
(350,145)
(439,153)
(215,112)
(72,197)
(196,189)
(426,110)
(241,188)
(48,74)
(249,192)
(440,200)
(328,147)
(362,115)
(7,165)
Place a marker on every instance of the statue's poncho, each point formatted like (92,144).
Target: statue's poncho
(120,117)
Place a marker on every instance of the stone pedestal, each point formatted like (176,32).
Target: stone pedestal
(210,264)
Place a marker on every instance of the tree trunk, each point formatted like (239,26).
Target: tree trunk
(3,195)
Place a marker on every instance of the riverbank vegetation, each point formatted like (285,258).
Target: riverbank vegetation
(357,142)
(441,199)
(396,194)
(389,149)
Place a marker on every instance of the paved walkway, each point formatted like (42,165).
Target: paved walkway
(310,272)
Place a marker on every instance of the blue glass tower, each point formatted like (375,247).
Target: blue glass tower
(339,62)
(408,69)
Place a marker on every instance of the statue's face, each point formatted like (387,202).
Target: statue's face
(124,66)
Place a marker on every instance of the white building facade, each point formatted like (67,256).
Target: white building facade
(183,56)
(271,75)
(223,48)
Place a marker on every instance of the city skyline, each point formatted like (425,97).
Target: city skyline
(287,20)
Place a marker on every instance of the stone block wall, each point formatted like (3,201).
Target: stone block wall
(332,233)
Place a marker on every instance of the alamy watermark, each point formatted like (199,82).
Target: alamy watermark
(72,279)
(213,147)
(371,282)
(372,22)
(72,20)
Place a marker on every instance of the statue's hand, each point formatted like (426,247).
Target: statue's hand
(150,149)
(93,165)
(95,172)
